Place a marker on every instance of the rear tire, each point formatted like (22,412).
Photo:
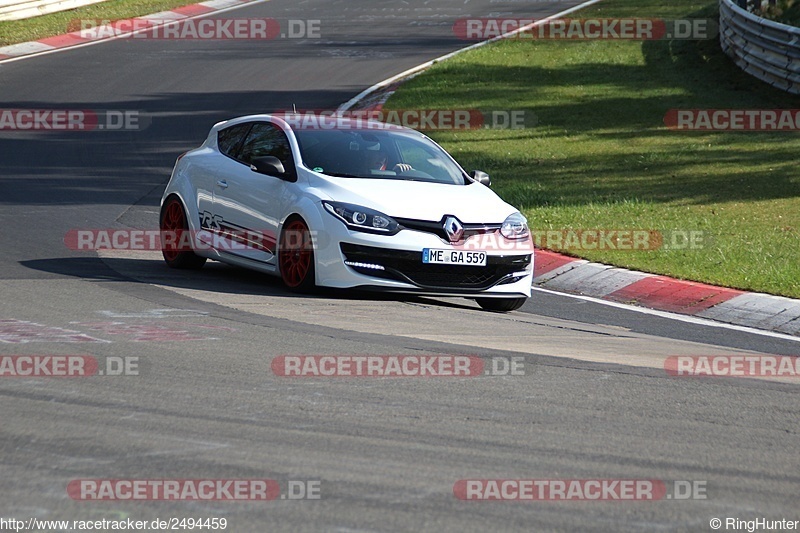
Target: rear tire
(177,251)
(500,305)
(296,256)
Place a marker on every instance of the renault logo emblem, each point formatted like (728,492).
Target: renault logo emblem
(453,228)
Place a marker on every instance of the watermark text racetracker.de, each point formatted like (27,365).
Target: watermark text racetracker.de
(575,239)
(57,120)
(418,119)
(387,366)
(638,29)
(204,489)
(180,240)
(764,366)
(67,366)
(579,489)
(262,29)
(732,119)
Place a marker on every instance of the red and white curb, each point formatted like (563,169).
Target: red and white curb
(578,276)
(144,23)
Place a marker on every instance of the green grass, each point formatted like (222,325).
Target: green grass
(18,31)
(601,157)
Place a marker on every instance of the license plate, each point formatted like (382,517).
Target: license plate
(453,257)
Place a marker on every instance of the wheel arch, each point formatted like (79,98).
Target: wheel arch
(192,219)
(308,210)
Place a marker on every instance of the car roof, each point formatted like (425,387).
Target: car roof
(285,119)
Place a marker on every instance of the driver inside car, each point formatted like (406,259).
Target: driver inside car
(377,160)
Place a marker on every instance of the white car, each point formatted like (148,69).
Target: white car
(356,204)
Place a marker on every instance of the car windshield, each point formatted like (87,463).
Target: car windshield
(374,153)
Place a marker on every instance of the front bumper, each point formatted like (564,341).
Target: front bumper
(352,259)
(407,267)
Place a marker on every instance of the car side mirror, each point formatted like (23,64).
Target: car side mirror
(481,177)
(269,165)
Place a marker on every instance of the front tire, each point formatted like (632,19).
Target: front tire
(296,256)
(500,305)
(175,235)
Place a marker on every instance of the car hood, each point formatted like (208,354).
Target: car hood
(472,204)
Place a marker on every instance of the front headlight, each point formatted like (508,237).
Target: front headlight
(515,227)
(362,218)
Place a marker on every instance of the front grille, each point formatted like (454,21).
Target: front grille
(408,267)
(437,228)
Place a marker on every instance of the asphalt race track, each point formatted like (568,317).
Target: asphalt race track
(593,403)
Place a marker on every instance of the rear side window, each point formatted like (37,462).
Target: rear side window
(229,139)
(267,139)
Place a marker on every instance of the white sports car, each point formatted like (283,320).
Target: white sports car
(355,204)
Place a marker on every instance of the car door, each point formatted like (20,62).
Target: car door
(250,205)
(207,178)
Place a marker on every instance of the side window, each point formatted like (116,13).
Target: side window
(267,139)
(228,140)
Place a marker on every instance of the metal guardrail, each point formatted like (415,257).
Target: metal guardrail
(768,50)
(23,9)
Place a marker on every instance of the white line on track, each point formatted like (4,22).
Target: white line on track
(419,68)
(128,34)
(673,316)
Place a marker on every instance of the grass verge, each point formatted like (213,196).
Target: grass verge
(18,31)
(601,156)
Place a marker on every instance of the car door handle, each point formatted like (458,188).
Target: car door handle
(222,183)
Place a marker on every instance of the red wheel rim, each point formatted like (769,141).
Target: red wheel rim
(296,253)
(174,222)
